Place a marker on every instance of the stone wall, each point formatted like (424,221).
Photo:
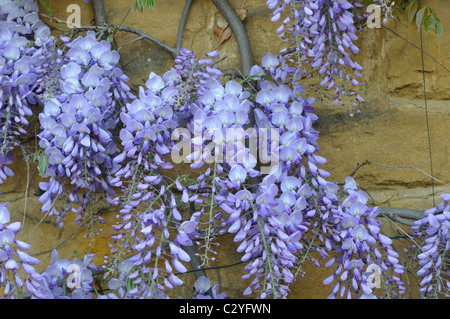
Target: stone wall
(392,129)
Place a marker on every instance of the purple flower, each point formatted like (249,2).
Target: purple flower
(202,288)
(431,256)
(269,61)
(237,175)
(322,33)
(12,256)
(77,121)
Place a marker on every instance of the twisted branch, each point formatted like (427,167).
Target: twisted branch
(239,33)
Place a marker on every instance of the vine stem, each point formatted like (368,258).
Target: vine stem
(122,28)
(211,207)
(99,12)
(269,262)
(139,224)
(426,117)
(268,254)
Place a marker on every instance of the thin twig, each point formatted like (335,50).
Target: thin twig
(220,60)
(121,28)
(408,166)
(45,215)
(426,115)
(59,244)
(417,47)
(144,35)
(401,230)
(358,166)
(129,42)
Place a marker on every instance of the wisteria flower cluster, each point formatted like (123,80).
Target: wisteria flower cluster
(77,122)
(269,221)
(11,256)
(322,34)
(433,255)
(66,279)
(149,207)
(255,155)
(356,238)
(24,49)
(272,219)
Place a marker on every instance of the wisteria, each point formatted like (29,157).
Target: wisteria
(321,34)
(433,253)
(203,289)
(148,206)
(80,112)
(25,46)
(355,239)
(65,279)
(253,153)
(14,280)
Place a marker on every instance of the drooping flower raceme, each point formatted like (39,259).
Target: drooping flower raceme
(321,34)
(271,233)
(297,200)
(433,254)
(364,255)
(66,279)
(11,256)
(25,48)
(148,205)
(77,122)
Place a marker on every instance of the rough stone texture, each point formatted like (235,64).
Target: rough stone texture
(391,130)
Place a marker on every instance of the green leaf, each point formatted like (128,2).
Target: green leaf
(439,27)
(142,4)
(36,155)
(419,17)
(43,163)
(110,38)
(429,22)
(411,11)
